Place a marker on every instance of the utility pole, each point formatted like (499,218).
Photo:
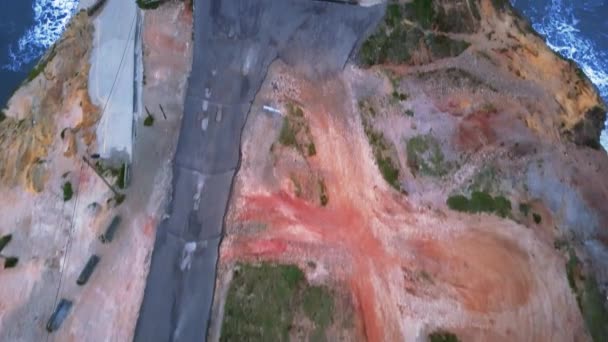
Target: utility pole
(118,196)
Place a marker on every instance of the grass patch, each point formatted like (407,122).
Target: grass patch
(443,336)
(389,170)
(422,12)
(480,202)
(148,4)
(486,180)
(594,310)
(262,302)
(68,192)
(393,40)
(287,136)
(424,156)
(295,132)
(318,305)
(591,301)
(381,148)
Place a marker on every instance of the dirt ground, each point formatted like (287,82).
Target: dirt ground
(53,239)
(411,265)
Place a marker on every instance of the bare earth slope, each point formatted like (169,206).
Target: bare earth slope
(446,181)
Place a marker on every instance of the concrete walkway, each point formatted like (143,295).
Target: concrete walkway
(111,78)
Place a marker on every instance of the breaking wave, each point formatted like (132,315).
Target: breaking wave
(50,18)
(558,22)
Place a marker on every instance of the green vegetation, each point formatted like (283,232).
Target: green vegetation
(312,150)
(287,136)
(120,180)
(524,208)
(443,46)
(149,120)
(397,96)
(318,305)
(295,132)
(41,65)
(594,310)
(486,180)
(262,302)
(422,12)
(394,39)
(4,240)
(480,202)
(323,193)
(148,4)
(381,148)
(9,261)
(537,218)
(443,336)
(591,301)
(68,192)
(2,115)
(409,113)
(424,156)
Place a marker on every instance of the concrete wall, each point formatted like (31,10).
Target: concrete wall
(111,79)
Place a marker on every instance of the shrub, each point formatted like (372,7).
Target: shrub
(443,336)
(10,262)
(480,202)
(68,192)
(4,240)
(149,121)
(148,4)
(524,208)
(458,203)
(537,218)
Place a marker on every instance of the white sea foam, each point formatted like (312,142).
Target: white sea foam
(558,23)
(50,18)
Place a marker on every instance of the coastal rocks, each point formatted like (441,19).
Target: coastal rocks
(53,97)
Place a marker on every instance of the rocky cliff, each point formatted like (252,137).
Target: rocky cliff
(447,184)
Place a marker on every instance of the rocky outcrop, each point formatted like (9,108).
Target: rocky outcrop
(53,99)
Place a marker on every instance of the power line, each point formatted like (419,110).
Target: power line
(69,242)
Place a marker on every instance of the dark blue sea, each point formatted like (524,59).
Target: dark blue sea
(577,29)
(27,29)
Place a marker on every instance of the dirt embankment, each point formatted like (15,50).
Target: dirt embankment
(441,189)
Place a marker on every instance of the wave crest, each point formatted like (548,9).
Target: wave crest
(50,19)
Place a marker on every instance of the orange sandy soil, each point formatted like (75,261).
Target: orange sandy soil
(409,269)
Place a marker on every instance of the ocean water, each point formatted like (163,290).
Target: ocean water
(577,29)
(27,29)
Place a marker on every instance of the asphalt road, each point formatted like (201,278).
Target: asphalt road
(234,43)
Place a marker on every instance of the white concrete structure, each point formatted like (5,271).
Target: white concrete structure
(111,79)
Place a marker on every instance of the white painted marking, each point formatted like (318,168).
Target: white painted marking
(272,110)
(189,249)
(205,124)
(218,116)
(205,105)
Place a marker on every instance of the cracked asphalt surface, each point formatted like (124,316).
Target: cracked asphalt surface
(235,41)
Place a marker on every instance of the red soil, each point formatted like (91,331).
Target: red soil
(373,240)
